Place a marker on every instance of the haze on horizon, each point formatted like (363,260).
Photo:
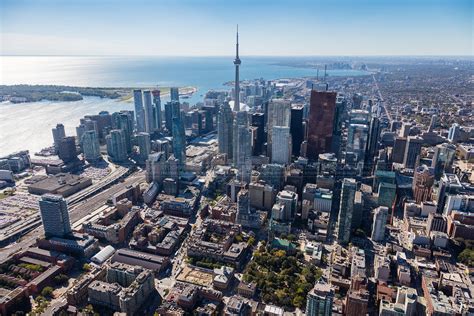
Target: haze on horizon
(207,27)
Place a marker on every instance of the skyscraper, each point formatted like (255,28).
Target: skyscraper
(281,146)
(373,141)
(55,216)
(178,131)
(398,151)
(412,151)
(224,130)
(139,110)
(86,125)
(258,121)
(157,109)
(124,122)
(346,210)
(174,94)
(379,223)
(320,123)
(237,63)
(67,151)
(169,115)
(144,145)
(296,129)
(91,146)
(279,112)
(443,159)
(116,146)
(242,149)
(357,140)
(149,113)
(58,134)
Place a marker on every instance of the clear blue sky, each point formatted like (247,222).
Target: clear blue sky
(206,27)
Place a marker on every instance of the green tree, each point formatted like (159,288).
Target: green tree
(47,292)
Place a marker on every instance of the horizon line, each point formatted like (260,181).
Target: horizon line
(231,56)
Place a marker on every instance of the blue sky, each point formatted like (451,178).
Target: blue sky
(206,27)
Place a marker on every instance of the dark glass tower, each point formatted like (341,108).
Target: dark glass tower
(320,123)
(296,129)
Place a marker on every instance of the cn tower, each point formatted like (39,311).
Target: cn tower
(237,63)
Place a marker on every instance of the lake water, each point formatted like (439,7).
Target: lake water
(28,126)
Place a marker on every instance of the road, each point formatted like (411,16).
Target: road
(76,212)
(389,115)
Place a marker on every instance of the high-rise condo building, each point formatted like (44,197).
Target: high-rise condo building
(178,131)
(157,109)
(55,216)
(124,121)
(320,123)
(116,146)
(91,146)
(58,134)
(174,94)
(67,151)
(139,110)
(320,300)
(149,112)
(144,145)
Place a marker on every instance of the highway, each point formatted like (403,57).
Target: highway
(76,212)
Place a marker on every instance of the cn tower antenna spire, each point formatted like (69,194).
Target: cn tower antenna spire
(237,63)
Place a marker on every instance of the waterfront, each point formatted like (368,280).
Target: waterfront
(28,126)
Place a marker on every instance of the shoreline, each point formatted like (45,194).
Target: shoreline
(24,93)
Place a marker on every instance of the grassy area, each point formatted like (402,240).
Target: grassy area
(282,278)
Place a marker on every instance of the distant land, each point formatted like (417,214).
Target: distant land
(33,93)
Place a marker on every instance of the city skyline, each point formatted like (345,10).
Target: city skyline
(145,28)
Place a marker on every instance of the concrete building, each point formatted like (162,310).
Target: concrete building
(64,184)
(262,195)
(289,200)
(319,301)
(55,216)
(379,223)
(423,181)
(281,145)
(124,290)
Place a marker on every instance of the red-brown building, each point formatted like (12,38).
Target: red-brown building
(320,123)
